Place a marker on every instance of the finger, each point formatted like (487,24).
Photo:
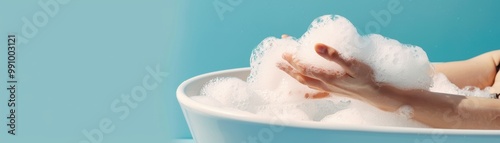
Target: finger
(326,75)
(284,36)
(294,62)
(313,71)
(333,55)
(310,82)
(317,95)
(285,67)
(290,70)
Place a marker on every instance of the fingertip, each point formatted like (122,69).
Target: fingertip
(284,67)
(321,49)
(318,95)
(326,52)
(280,65)
(283,36)
(287,56)
(321,95)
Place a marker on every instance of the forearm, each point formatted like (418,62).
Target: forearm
(479,71)
(450,111)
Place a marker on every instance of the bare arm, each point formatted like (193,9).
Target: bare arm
(479,71)
(431,108)
(448,111)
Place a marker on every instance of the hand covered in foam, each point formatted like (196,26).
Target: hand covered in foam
(356,80)
(355,77)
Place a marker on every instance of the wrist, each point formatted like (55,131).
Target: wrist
(389,98)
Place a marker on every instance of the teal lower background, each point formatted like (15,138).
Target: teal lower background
(90,54)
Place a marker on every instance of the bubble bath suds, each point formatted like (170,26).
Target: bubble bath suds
(269,92)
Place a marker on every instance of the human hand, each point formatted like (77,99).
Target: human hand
(356,75)
(314,95)
(355,81)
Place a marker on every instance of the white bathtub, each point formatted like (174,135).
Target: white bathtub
(211,125)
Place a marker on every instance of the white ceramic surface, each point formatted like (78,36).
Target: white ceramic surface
(211,125)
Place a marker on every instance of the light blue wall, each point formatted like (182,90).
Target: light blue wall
(84,56)
(446,29)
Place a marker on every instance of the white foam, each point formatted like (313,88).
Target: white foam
(229,92)
(269,92)
(216,104)
(360,113)
(386,56)
(443,85)
(207,100)
(288,111)
(405,111)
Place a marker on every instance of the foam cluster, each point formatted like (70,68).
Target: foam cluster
(387,57)
(269,92)
(443,85)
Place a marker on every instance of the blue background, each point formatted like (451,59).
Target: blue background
(91,52)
